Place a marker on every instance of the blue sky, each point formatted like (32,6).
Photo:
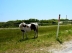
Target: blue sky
(38,9)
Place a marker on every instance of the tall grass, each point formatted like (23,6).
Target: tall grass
(10,39)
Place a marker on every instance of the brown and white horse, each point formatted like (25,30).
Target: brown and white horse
(28,27)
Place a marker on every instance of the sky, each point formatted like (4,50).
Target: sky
(38,9)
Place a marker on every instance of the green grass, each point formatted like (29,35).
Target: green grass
(10,39)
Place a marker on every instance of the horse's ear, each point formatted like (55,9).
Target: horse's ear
(23,22)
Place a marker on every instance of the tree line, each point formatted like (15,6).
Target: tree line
(40,22)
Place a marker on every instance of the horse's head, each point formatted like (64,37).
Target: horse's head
(22,24)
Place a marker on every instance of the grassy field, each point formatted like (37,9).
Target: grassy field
(11,39)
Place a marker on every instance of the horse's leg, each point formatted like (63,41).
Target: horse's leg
(26,35)
(23,35)
(36,32)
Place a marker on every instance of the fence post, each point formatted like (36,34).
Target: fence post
(58,26)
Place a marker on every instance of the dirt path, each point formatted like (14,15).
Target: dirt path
(60,48)
(65,48)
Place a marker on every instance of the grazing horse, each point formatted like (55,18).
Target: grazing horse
(28,27)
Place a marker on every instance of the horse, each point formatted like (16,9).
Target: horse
(29,27)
